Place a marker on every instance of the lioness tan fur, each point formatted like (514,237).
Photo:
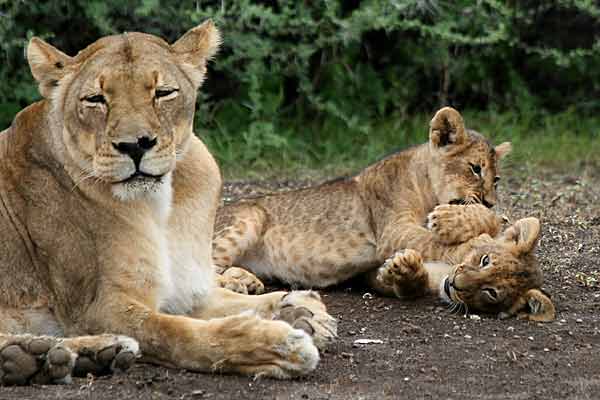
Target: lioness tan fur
(432,198)
(107,205)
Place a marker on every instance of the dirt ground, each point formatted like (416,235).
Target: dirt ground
(428,353)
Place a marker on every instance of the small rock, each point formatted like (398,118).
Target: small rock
(198,393)
(579,320)
(467,336)
(360,342)
(475,317)
(406,379)
(510,328)
(530,338)
(367,296)
(546,349)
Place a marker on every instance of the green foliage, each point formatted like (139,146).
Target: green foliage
(296,79)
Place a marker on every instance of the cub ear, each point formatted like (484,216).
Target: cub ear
(196,47)
(503,149)
(524,233)
(447,127)
(534,305)
(48,64)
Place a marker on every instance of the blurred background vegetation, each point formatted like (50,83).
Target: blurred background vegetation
(331,85)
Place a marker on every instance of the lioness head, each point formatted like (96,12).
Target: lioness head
(501,276)
(465,161)
(125,104)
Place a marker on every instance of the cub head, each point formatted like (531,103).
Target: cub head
(124,106)
(465,163)
(501,276)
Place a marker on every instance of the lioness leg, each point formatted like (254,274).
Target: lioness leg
(301,309)
(244,343)
(237,231)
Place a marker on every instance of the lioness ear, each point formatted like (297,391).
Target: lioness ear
(524,233)
(503,149)
(48,64)
(447,127)
(196,47)
(534,305)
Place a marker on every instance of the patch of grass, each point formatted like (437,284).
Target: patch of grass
(314,149)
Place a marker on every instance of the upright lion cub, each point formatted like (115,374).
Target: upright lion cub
(107,204)
(433,198)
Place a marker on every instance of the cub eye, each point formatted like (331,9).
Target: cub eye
(475,168)
(166,93)
(491,293)
(95,99)
(484,262)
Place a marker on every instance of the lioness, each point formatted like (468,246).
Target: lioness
(323,235)
(107,205)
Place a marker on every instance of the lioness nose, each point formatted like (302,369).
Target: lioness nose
(137,149)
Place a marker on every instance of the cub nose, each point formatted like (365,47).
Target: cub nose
(136,150)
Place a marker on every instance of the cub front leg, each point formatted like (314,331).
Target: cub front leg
(454,224)
(238,229)
(403,275)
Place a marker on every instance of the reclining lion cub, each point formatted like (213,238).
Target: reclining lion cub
(323,235)
(107,204)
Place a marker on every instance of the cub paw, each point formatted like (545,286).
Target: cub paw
(448,223)
(405,273)
(42,360)
(304,310)
(240,281)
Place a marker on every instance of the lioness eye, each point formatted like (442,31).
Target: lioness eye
(493,295)
(97,98)
(485,260)
(163,93)
(475,168)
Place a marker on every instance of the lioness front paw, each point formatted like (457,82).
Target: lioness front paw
(240,281)
(103,354)
(304,310)
(28,359)
(266,348)
(405,274)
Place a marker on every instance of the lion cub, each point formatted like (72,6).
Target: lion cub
(326,234)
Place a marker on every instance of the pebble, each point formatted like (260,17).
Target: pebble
(530,338)
(579,320)
(467,336)
(475,317)
(510,328)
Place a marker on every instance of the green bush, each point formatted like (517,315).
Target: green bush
(291,72)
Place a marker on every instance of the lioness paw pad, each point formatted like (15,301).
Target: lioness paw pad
(108,355)
(37,360)
(304,310)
